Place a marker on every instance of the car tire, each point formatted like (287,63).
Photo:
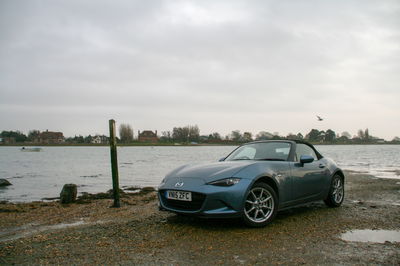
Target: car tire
(260,206)
(336,192)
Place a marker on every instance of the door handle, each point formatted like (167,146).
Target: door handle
(321,166)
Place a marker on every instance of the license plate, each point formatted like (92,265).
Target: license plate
(179,195)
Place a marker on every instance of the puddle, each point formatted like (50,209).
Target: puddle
(374,236)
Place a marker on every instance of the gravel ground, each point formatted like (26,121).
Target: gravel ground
(137,233)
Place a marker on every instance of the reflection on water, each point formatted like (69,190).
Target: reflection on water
(378,160)
(42,175)
(375,236)
(37,175)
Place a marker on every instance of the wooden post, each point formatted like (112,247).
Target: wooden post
(114,163)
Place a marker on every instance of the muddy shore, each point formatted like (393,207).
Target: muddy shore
(90,232)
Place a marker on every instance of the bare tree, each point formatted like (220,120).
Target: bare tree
(125,133)
(185,134)
(166,135)
(194,133)
(366,134)
(360,134)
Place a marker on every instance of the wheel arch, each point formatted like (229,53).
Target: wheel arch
(269,181)
(338,172)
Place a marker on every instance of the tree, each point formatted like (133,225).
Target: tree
(360,134)
(76,139)
(186,134)
(215,136)
(264,135)
(346,134)
(33,135)
(236,136)
(291,136)
(366,134)
(330,135)
(88,139)
(180,134)
(299,136)
(247,136)
(315,135)
(17,135)
(194,133)
(125,133)
(166,136)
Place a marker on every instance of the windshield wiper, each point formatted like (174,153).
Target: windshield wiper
(270,159)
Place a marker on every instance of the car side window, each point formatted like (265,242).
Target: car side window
(303,149)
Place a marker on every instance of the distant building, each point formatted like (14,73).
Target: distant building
(49,137)
(147,136)
(99,139)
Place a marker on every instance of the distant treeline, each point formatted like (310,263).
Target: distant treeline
(191,135)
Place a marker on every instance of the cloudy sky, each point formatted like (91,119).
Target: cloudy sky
(224,65)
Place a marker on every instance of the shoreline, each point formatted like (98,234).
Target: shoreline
(173,144)
(129,190)
(137,188)
(137,233)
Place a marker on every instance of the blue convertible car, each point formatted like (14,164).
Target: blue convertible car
(253,182)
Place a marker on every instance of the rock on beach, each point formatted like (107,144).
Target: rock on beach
(68,193)
(4,182)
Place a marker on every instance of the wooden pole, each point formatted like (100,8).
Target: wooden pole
(114,163)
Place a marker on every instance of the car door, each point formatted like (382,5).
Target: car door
(308,179)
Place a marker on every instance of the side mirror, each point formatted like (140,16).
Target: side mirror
(222,159)
(306,159)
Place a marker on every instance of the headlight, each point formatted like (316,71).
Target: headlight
(225,182)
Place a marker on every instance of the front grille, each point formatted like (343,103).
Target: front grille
(194,205)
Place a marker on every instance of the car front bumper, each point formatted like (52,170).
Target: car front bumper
(207,200)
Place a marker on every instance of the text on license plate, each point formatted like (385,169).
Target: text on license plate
(179,195)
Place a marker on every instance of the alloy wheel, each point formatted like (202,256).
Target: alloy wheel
(338,190)
(259,205)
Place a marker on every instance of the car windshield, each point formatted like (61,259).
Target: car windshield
(268,151)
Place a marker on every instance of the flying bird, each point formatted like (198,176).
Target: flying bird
(320,118)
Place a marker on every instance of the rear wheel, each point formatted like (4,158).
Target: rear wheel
(336,192)
(260,206)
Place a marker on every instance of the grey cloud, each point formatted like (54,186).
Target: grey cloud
(194,60)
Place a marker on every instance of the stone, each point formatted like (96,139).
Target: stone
(148,189)
(4,182)
(68,193)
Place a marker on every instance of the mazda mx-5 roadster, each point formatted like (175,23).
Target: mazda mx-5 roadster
(254,182)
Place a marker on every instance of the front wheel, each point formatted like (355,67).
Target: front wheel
(261,205)
(336,192)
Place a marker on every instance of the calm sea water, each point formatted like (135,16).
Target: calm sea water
(36,175)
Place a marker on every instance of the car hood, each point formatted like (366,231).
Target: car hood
(211,171)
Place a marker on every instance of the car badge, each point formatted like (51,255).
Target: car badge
(179,184)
